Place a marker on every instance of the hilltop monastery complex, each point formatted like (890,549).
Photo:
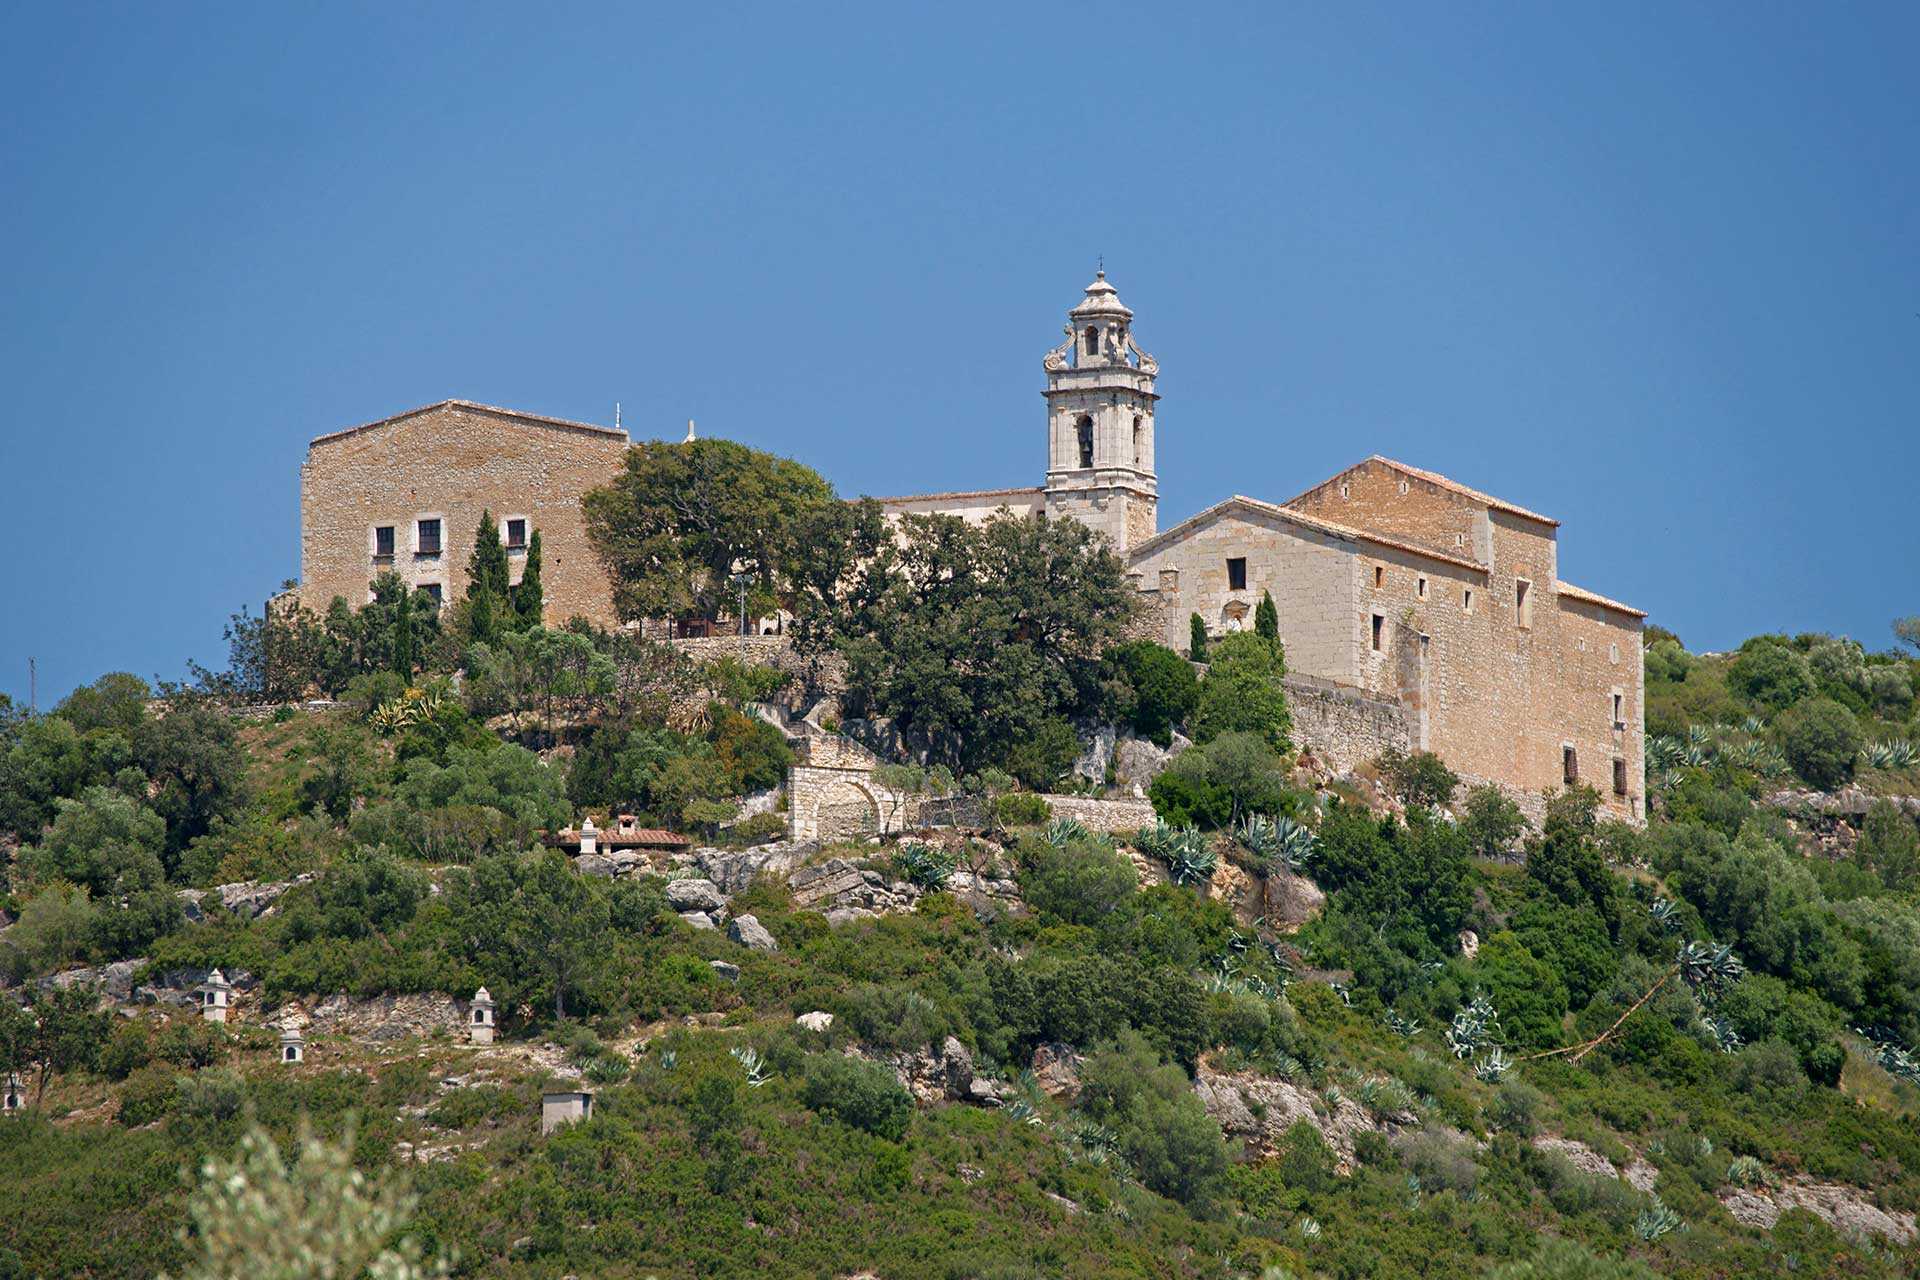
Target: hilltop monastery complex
(1415,611)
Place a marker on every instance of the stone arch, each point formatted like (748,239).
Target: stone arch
(845,807)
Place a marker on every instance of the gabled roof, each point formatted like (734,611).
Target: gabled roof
(1593,597)
(477,408)
(1345,533)
(1434,478)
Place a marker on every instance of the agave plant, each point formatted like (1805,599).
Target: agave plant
(1753,726)
(1893,1057)
(1309,1229)
(1474,1028)
(749,1058)
(925,865)
(1190,858)
(1400,1024)
(1493,1066)
(1093,1143)
(1746,1171)
(1665,914)
(1724,1037)
(1896,753)
(1257,835)
(1709,969)
(1025,1112)
(1297,842)
(1656,1220)
(1155,840)
(669,1059)
(1345,993)
(1063,831)
(1664,753)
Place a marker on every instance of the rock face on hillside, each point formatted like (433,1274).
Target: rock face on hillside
(1847,1209)
(248,899)
(1260,1110)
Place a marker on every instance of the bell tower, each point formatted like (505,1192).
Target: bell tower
(1100,403)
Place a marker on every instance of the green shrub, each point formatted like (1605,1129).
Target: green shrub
(862,1094)
(1821,740)
(1418,778)
(1021,809)
(1158,1122)
(1158,688)
(1080,882)
(1243,692)
(147,1096)
(761,828)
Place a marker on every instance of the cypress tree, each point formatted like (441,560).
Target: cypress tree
(403,637)
(1197,639)
(1266,618)
(486,579)
(528,598)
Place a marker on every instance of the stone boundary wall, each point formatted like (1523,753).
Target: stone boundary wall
(1123,815)
(1344,726)
(826,674)
(841,802)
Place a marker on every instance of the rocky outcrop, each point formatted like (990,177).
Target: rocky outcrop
(1136,763)
(818,1020)
(732,870)
(248,899)
(751,934)
(695,895)
(1056,1070)
(837,887)
(613,863)
(387,1017)
(939,1075)
(1259,1111)
(1579,1155)
(1847,1209)
(1097,743)
(114,980)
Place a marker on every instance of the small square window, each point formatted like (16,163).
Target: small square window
(383,541)
(1379,576)
(516,533)
(1379,632)
(1619,777)
(1466,599)
(1570,765)
(427,542)
(1237,573)
(1420,588)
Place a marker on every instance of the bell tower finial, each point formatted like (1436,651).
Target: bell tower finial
(1100,411)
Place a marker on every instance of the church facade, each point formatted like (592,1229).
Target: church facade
(1404,597)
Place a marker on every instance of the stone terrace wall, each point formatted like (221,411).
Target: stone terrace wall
(1096,813)
(1343,726)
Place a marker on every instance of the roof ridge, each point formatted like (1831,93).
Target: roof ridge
(456,402)
(1320,523)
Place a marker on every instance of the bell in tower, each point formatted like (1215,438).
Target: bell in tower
(1100,410)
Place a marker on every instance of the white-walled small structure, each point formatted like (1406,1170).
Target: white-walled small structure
(566,1106)
(14,1096)
(293,1046)
(216,997)
(480,1019)
(589,835)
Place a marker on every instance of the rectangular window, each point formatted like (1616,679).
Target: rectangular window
(1379,576)
(1466,599)
(516,533)
(1522,602)
(1619,776)
(1379,632)
(1420,588)
(434,593)
(1426,643)
(428,541)
(1619,711)
(1237,573)
(383,541)
(1613,653)
(1570,765)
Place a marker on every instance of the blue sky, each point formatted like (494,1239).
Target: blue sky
(1653,270)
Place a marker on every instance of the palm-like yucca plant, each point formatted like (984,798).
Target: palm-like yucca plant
(924,865)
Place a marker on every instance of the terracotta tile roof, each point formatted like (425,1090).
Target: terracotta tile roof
(964,493)
(619,836)
(1344,532)
(479,408)
(1594,597)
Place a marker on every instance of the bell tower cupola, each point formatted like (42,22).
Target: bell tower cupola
(1100,411)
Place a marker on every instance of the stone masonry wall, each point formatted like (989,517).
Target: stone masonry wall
(454,460)
(1344,727)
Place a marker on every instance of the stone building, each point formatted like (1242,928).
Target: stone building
(1415,611)
(1426,611)
(405,494)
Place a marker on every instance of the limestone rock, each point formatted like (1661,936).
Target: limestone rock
(750,933)
(1469,943)
(698,919)
(248,899)
(695,895)
(1096,752)
(1579,1155)
(727,971)
(1847,1209)
(1137,762)
(818,1020)
(612,863)
(732,870)
(1056,1069)
(840,891)
(1260,1110)
(936,1075)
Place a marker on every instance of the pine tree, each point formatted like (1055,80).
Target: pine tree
(529,601)
(1197,639)
(486,580)
(1266,618)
